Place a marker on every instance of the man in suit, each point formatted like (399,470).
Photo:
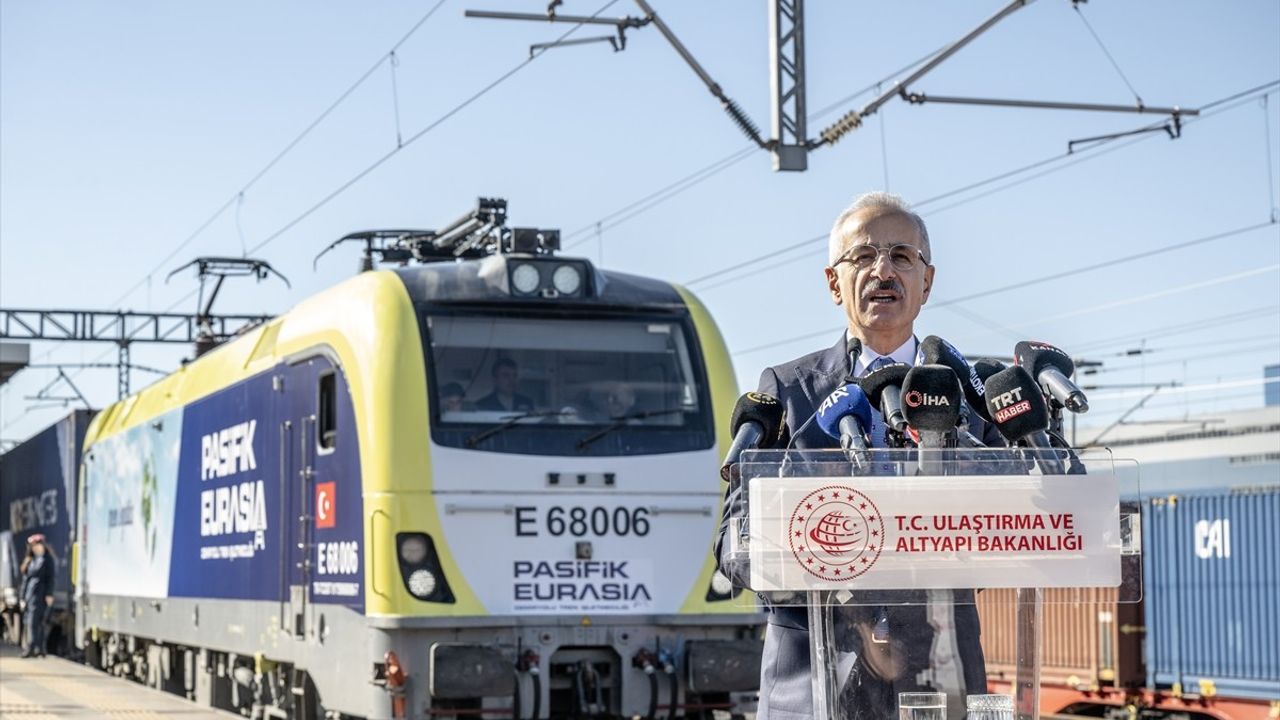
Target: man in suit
(880,273)
(506,377)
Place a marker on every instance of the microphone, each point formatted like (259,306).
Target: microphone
(884,389)
(986,367)
(757,421)
(1021,414)
(845,415)
(962,427)
(931,403)
(931,397)
(1052,368)
(936,351)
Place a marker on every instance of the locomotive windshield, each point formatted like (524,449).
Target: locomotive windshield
(566,386)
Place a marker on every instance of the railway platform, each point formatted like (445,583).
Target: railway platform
(53,688)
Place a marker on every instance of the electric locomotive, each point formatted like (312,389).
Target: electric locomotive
(481,483)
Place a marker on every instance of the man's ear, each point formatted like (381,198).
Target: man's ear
(833,285)
(928,283)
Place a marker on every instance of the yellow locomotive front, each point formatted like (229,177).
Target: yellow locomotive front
(552,531)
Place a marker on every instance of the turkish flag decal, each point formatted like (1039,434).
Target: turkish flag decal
(326,505)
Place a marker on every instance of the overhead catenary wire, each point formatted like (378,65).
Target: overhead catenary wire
(1178,289)
(717,166)
(1218,346)
(1073,159)
(93,362)
(1036,281)
(1171,389)
(1273,203)
(288,148)
(1110,58)
(1268,87)
(1142,350)
(1177,402)
(340,189)
(657,197)
(992,325)
(1214,321)
(237,198)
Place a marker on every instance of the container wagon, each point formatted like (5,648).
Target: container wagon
(1203,645)
(38,489)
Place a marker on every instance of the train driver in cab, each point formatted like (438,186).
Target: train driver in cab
(505,397)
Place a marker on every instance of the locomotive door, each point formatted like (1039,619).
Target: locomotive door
(295,478)
(298,443)
(303,526)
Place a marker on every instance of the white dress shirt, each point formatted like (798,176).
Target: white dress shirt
(908,352)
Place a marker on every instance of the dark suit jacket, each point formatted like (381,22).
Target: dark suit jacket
(520,403)
(37,582)
(785,683)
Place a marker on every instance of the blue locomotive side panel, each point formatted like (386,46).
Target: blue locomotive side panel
(214,499)
(229,517)
(38,493)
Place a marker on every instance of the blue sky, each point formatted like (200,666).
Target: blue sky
(123,127)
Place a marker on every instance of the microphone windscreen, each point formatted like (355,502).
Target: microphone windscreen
(931,398)
(986,367)
(1036,356)
(877,381)
(846,400)
(937,351)
(1015,403)
(762,409)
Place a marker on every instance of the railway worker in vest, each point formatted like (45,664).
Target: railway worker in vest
(880,273)
(37,592)
(506,377)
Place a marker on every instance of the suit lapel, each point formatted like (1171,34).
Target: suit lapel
(826,374)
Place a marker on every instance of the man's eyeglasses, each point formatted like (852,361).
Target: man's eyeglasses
(861,257)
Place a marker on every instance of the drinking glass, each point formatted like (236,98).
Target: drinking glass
(922,706)
(990,707)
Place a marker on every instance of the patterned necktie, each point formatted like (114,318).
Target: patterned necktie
(879,363)
(878,430)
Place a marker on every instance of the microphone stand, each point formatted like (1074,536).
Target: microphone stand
(936,455)
(1029,614)
(935,450)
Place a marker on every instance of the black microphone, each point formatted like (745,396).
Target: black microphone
(931,403)
(758,421)
(936,351)
(962,427)
(1052,368)
(986,367)
(883,387)
(931,397)
(1021,414)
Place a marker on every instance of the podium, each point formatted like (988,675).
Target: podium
(885,552)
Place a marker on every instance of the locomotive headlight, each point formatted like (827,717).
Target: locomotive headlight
(420,568)
(422,583)
(525,278)
(720,584)
(413,550)
(567,279)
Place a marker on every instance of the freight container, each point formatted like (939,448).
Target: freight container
(38,492)
(1090,640)
(1212,576)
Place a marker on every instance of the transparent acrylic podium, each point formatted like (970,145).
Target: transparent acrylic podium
(885,553)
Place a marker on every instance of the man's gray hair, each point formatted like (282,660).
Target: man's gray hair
(877,204)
